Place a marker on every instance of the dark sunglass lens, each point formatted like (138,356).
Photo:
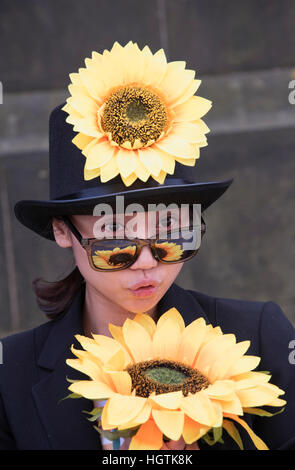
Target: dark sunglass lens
(113,254)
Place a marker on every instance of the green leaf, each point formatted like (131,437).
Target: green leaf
(71,395)
(213,436)
(96,416)
(93,412)
(208,439)
(233,432)
(113,435)
(261,412)
(72,381)
(217,434)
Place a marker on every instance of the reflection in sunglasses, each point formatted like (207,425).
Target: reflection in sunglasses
(169,251)
(108,259)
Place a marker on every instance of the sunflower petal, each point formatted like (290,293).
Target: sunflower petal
(166,340)
(220,370)
(147,322)
(148,437)
(168,161)
(122,408)
(141,171)
(244,364)
(259,395)
(211,352)
(169,422)
(138,340)
(99,155)
(151,160)
(91,389)
(188,131)
(127,161)
(260,445)
(161,177)
(191,340)
(189,91)
(143,416)
(192,431)
(129,180)
(169,400)
(200,408)
(109,170)
(82,140)
(194,108)
(173,315)
(176,146)
(122,381)
(233,432)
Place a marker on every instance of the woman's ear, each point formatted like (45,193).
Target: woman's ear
(61,233)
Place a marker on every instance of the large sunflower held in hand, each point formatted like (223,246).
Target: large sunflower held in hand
(135,114)
(169,380)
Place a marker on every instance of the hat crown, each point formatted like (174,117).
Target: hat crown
(66,167)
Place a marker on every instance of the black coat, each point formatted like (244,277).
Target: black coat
(33,374)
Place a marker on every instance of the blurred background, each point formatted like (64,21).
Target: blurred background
(243,51)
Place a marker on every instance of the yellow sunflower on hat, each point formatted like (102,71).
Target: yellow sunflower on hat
(135,114)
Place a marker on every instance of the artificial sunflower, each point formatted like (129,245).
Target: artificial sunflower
(169,380)
(116,257)
(135,114)
(170,251)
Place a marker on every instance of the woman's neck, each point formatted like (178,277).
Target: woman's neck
(98,312)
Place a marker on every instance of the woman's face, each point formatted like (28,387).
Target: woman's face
(118,287)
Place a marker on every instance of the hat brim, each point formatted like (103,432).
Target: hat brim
(36,215)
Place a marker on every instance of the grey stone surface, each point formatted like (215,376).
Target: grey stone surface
(5,316)
(43,41)
(225,36)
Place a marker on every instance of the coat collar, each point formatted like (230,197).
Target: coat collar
(65,423)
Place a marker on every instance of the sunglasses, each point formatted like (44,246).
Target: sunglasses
(106,254)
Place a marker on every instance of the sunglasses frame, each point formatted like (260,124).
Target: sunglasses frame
(87,243)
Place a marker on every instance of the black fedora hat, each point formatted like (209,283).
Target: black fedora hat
(71,194)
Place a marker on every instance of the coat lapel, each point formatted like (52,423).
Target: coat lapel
(65,424)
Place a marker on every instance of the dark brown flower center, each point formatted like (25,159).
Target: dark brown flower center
(134,114)
(163,376)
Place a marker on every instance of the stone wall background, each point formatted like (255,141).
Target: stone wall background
(244,54)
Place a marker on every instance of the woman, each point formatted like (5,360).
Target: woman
(106,288)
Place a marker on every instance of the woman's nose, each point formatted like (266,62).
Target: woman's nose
(145,259)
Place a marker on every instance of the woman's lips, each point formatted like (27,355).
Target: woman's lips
(144,288)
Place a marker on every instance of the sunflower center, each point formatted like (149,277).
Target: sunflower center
(134,117)
(163,376)
(136,111)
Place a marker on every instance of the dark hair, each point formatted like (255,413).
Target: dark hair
(54,297)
